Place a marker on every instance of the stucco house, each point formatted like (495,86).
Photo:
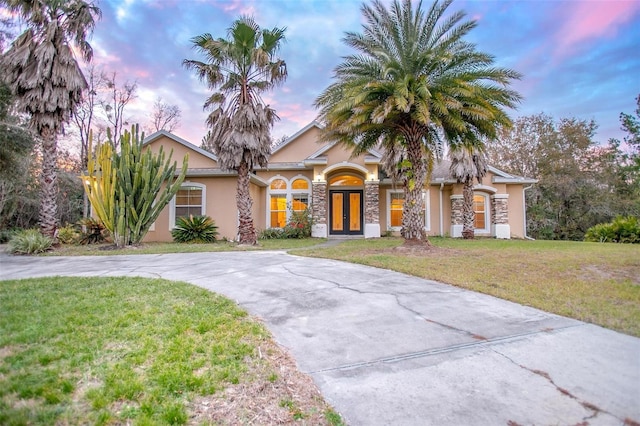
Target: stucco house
(347,196)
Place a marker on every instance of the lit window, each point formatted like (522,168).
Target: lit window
(395,209)
(480,210)
(346,180)
(284,198)
(278,208)
(277,184)
(300,184)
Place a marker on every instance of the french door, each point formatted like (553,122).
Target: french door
(345,209)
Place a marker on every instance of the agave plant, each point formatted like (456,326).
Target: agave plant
(195,229)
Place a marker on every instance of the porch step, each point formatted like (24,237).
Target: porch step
(345,237)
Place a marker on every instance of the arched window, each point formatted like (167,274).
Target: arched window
(299,195)
(286,197)
(481,210)
(189,200)
(346,180)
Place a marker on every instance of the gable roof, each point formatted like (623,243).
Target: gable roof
(157,135)
(296,135)
(441,173)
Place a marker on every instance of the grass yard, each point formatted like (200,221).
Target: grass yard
(162,248)
(593,282)
(141,351)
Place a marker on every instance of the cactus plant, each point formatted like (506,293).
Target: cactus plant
(126,188)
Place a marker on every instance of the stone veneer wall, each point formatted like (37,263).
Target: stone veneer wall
(319,203)
(372,202)
(499,209)
(457,206)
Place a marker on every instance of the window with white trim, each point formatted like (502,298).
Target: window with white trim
(395,209)
(284,197)
(189,200)
(481,212)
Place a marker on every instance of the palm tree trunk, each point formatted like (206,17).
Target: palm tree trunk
(412,217)
(49,184)
(246,230)
(468,216)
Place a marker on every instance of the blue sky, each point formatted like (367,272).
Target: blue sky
(579,58)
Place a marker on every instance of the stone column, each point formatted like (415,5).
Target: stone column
(372,209)
(500,227)
(319,209)
(457,219)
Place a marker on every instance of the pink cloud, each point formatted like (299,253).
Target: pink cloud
(585,20)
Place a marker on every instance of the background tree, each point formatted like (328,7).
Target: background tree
(414,84)
(114,103)
(165,116)
(580,183)
(468,163)
(16,143)
(45,78)
(240,68)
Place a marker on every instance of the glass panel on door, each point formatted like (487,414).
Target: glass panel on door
(354,211)
(337,223)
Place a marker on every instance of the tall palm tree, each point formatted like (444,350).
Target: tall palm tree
(468,162)
(414,84)
(46,80)
(239,69)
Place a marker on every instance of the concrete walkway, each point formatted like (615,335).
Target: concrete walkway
(389,349)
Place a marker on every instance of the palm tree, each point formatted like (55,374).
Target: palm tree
(468,162)
(414,85)
(239,69)
(45,78)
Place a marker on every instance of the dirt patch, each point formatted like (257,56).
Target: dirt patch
(273,392)
(602,273)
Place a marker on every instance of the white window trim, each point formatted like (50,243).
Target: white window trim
(487,214)
(172,203)
(288,193)
(427,209)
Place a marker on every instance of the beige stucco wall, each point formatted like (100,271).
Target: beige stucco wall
(516,206)
(297,150)
(196,160)
(220,205)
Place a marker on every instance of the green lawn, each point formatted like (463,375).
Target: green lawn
(161,248)
(131,351)
(593,282)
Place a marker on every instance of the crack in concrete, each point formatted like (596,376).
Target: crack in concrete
(438,351)
(586,404)
(396,296)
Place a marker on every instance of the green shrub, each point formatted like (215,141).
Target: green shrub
(68,235)
(298,226)
(91,231)
(272,234)
(6,234)
(29,241)
(195,229)
(621,230)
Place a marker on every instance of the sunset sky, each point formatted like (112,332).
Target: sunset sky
(579,58)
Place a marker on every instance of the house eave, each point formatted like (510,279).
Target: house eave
(157,135)
(513,181)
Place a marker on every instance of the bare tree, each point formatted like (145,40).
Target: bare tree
(115,103)
(165,116)
(85,113)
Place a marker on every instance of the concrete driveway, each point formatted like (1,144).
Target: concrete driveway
(389,349)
